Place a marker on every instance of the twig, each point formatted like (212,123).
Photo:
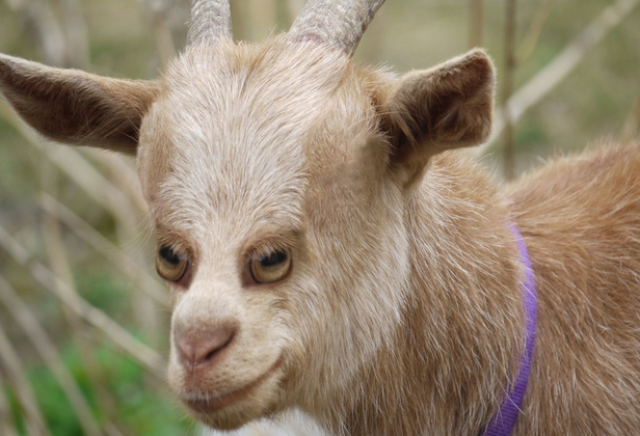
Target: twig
(164,40)
(130,259)
(16,5)
(476,21)
(533,35)
(111,252)
(76,39)
(146,312)
(7,426)
(507,86)
(94,184)
(72,163)
(631,128)
(147,357)
(47,32)
(63,43)
(543,82)
(43,344)
(123,177)
(82,337)
(11,368)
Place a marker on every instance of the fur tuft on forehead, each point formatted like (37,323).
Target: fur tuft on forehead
(247,112)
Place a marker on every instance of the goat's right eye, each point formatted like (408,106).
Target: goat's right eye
(170,265)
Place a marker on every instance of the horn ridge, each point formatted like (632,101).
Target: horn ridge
(340,23)
(210,20)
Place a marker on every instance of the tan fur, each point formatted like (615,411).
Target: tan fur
(402,314)
(76,107)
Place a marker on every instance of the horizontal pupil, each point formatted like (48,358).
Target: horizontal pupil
(169,255)
(273,259)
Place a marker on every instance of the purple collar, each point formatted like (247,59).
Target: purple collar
(504,420)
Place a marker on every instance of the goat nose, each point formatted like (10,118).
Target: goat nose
(198,349)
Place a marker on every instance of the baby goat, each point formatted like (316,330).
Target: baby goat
(327,251)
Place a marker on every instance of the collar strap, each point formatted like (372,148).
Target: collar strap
(504,420)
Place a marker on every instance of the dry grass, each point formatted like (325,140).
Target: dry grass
(68,217)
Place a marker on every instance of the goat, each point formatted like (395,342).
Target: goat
(329,250)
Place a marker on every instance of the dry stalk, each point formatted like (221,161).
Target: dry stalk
(14,377)
(542,83)
(476,23)
(146,312)
(631,129)
(7,426)
(125,178)
(81,337)
(507,86)
(16,5)
(117,257)
(161,29)
(46,31)
(47,350)
(533,34)
(62,42)
(76,38)
(144,355)
(74,165)
(90,180)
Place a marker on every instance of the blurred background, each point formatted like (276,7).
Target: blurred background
(83,318)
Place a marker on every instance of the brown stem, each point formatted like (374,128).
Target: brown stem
(47,350)
(144,355)
(507,86)
(546,79)
(631,128)
(476,23)
(533,35)
(12,369)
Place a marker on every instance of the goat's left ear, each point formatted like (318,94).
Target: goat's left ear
(448,106)
(75,107)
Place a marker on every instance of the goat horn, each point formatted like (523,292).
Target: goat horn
(210,20)
(340,23)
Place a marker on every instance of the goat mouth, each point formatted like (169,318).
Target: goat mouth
(211,405)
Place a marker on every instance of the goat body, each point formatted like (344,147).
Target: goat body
(328,250)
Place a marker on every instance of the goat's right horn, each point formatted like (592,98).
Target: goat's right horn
(340,23)
(210,20)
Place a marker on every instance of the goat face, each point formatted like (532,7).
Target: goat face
(267,178)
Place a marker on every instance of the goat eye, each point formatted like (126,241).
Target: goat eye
(170,265)
(270,268)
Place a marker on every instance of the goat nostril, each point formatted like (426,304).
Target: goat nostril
(197,349)
(214,350)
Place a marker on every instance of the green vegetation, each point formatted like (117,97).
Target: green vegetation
(141,411)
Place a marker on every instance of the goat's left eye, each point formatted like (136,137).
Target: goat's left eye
(171,265)
(271,267)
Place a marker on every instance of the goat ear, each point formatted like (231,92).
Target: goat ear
(446,107)
(75,107)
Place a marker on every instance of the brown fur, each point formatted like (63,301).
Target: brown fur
(580,218)
(402,314)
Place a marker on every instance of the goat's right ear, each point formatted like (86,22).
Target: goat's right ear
(75,107)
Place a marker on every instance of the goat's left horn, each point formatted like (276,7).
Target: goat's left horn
(210,20)
(340,23)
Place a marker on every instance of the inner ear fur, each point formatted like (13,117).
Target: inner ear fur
(448,106)
(75,107)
